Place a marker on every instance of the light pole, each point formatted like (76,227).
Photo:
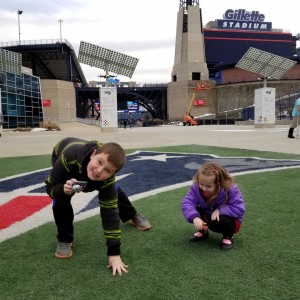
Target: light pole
(60,21)
(19,13)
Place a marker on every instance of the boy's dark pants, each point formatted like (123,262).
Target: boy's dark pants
(64,216)
(226,225)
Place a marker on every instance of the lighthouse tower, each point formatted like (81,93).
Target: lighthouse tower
(189,62)
(189,65)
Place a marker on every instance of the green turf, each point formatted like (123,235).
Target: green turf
(163,265)
(18,165)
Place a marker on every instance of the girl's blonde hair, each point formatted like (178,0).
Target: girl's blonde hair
(223,178)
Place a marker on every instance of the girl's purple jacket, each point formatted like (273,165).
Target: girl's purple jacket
(232,206)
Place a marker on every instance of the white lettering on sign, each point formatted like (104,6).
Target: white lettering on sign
(244,25)
(243,15)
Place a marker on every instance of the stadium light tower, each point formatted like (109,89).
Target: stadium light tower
(60,35)
(19,13)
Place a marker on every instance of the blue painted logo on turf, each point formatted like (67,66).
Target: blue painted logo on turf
(144,172)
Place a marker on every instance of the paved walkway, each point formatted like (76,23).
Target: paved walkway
(232,136)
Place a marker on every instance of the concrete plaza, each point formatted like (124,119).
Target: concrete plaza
(232,136)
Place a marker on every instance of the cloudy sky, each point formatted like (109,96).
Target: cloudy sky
(144,29)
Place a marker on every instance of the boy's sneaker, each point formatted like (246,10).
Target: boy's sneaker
(227,244)
(140,222)
(199,236)
(64,250)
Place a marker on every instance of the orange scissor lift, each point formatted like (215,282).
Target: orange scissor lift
(188,119)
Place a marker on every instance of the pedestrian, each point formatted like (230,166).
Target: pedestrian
(125,124)
(131,123)
(214,202)
(86,166)
(1,121)
(295,116)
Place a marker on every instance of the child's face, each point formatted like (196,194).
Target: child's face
(99,168)
(207,185)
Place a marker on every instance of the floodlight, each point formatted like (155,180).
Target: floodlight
(108,60)
(265,63)
(10,62)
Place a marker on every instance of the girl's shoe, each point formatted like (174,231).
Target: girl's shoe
(199,236)
(227,244)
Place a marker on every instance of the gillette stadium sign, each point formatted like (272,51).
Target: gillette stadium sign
(241,19)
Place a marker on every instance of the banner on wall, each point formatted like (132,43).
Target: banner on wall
(199,102)
(46,102)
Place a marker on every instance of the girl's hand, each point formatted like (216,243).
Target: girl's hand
(215,215)
(198,223)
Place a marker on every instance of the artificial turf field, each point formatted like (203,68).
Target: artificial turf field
(163,265)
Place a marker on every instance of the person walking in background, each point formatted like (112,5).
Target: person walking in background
(214,202)
(1,121)
(131,123)
(295,116)
(86,166)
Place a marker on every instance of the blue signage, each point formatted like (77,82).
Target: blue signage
(113,80)
(238,25)
(243,15)
(132,105)
(241,19)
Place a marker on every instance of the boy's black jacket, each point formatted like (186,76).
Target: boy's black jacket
(70,158)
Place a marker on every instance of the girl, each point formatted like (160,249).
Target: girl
(214,202)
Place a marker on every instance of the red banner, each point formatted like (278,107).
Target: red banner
(46,102)
(198,102)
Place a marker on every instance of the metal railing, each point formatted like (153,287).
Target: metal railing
(35,42)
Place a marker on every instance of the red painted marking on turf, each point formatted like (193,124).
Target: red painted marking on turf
(20,208)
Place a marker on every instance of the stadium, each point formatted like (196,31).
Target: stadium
(42,81)
(42,84)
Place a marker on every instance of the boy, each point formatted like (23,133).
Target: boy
(95,163)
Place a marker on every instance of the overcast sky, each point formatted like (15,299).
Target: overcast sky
(144,29)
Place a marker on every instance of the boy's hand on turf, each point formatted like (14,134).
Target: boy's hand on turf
(116,264)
